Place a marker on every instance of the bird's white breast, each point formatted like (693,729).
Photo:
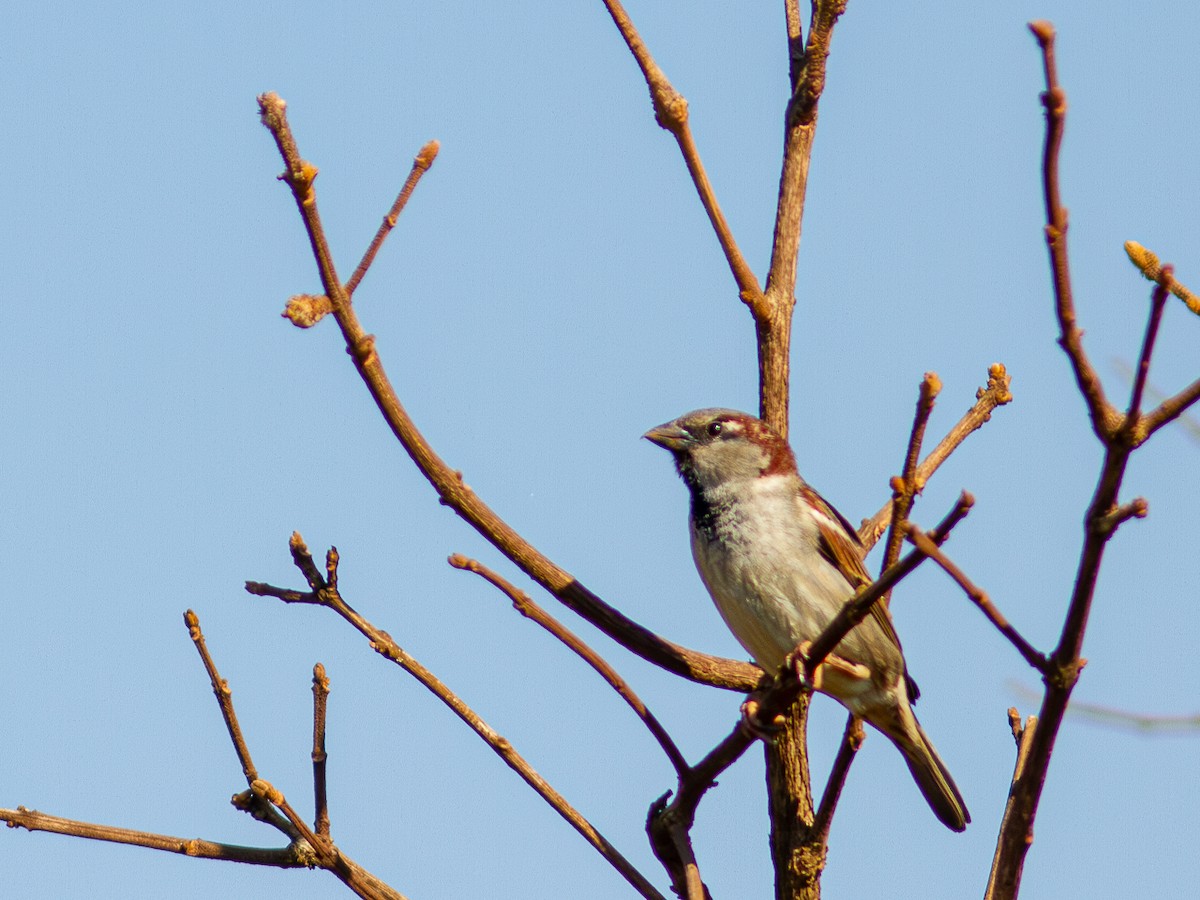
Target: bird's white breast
(761,563)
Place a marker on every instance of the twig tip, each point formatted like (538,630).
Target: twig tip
(1043,31)
(427,154)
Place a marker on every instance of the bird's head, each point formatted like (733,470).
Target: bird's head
(713,447)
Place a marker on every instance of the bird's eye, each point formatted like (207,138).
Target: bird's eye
(714,429)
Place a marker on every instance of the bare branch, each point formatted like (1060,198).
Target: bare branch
(293,856)
(852,740)
(995,393)
(980,599)
(906,487)
(325,593)
(671,113)
(224,695)
(424,159)
(449,484)
(526,606)
(1158,305)
(1120,435)
(773,316)
(1105,418)
(1124,719)
(1171,408)
(1024,737)
(320,691)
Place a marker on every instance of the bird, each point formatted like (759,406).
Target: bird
(779,563)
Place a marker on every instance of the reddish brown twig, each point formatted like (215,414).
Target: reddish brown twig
(852,739)
(292,856)
(995,393)
(906,487)
(671,113)
(320,691)
(1104,416)
(981,600)
(424,159)
(323,591)
(773,316)
(224,696)
(1120,434)
(526,606)
(449,484)
(1023,735)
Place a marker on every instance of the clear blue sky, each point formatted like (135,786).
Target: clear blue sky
(552,291)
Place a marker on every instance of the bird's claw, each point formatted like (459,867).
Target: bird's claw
(753,723)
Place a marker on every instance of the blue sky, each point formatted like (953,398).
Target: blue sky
(552,291)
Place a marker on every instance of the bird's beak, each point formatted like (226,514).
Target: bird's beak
(669,436)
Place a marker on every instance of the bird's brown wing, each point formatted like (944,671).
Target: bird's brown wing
(840,545)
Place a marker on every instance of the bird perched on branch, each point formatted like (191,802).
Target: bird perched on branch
(780,563)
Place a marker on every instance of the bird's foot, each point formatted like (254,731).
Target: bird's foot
(752,720)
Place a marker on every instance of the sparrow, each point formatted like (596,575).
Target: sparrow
(780,563)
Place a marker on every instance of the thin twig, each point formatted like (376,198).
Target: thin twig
(1105,418)
(289,857)
(773,316)
(671,113)
(906,487)
(526,606)
(324,592)
(995,393)
(1170,409)
(980,598)
(320,691)
(852,739)
(424,159)
(904,490)
(224,697)
(1024,738)
(449,484)
(795,36)
(1120,435)
(1139,427)
(1158,305)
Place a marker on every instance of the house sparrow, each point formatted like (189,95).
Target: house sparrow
(779,563)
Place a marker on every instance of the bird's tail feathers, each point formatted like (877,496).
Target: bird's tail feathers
(928,771)
(933,778)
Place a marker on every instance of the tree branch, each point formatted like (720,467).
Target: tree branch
(320,690)
(1105,418)
(906,487)
(525,605)
(671,113)
(294,856)
(981,599)
(995,393)
(852,740)
(421,163)
(1120,436)
(323,591)
(449,484)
